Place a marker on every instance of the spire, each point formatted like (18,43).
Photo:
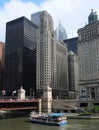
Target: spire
(91,10)
(60,32)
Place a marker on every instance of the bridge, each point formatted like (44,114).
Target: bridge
(33,104)
(14,104)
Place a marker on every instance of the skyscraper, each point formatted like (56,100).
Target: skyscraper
(72,44)
(62,87)
(88,52)
(20,55)
(52,64)
(1,62)
(60,32)
(46,48)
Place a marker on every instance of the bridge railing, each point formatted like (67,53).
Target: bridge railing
(13,98)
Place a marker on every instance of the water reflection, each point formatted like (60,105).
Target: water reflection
(67,127)
(22,124)
(83,125)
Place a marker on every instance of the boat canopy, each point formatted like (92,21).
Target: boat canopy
(56,114)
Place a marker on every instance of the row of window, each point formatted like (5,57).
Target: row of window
(89,34)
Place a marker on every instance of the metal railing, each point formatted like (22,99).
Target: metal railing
(14,98)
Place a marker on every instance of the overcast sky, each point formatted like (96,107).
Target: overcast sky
(72,14)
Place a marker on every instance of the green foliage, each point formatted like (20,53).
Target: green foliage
(86,112)
(96,109)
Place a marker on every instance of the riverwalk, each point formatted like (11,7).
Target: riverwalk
(77,116)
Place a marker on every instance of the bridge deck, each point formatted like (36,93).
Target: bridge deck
(18,104)
(23,108)
(12,100)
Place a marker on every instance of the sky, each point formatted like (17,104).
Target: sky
(73,14)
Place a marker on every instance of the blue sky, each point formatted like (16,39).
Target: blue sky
(73,14)
(2,2)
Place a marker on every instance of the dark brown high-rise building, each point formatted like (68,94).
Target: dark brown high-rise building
(1,62)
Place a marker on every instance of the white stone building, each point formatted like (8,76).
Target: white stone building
(88,52)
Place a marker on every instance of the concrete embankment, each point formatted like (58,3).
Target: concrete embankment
(83,117)
(10,114)
(77,116)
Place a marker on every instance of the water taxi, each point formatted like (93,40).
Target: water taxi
(55,119)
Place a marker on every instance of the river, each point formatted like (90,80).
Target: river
(23,124)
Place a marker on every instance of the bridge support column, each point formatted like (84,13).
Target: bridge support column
(47,100)
(39,106)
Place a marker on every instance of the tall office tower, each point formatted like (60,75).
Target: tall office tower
(60,32)
(72,44)
(88,52)
(1,63)
(46,48)
(62,69)
(20,55)
(73,73)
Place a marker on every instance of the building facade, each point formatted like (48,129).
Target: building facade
(1,62)
(20,55)
(73,73)
(62,87)
(72,44)
(52,61)
(46,60)
(88,52)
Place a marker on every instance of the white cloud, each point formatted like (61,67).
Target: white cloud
(73,14)
(12,10)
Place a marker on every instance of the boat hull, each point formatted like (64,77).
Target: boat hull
(49,123)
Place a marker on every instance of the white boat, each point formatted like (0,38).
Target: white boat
(55,119)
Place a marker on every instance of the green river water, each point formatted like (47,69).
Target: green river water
(23,124)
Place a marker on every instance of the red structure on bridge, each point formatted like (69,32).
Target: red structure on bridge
(12,104)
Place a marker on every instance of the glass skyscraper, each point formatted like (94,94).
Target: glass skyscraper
(20,55)
(60,32)
(72,44)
